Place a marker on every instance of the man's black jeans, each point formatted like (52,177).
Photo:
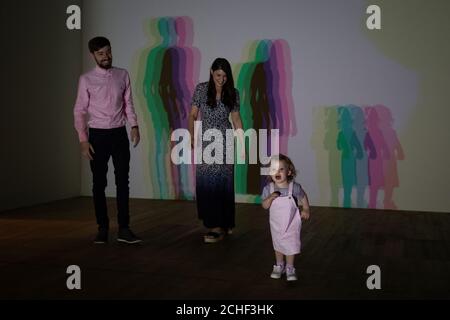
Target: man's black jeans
(110,143)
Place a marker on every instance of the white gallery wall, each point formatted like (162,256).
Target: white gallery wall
(335,61)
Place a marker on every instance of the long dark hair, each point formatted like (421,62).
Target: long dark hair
(228,91)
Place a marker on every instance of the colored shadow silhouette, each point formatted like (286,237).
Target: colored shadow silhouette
(279,77)
(363,150)
(362,177)
(265,85)
(334,159)
(350,147)
(327,163)
(383,173)
(376,172)
(170,71)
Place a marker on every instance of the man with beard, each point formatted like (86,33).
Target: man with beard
(104,98)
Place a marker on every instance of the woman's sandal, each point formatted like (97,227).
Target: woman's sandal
(213,237)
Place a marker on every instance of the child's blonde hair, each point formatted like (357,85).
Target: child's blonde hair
(290,167)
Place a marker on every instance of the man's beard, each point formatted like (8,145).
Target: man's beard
(104,64)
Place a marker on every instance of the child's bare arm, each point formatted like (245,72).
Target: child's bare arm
(268,201)
(304,203)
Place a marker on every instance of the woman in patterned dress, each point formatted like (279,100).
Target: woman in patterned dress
(215,101)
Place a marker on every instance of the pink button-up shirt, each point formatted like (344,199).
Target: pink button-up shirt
(105,97)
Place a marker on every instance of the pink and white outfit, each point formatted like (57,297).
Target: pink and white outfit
(285,223)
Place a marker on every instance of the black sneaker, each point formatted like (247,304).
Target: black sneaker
(127,236)
(102,236)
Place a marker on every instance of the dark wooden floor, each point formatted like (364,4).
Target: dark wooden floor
(38,243)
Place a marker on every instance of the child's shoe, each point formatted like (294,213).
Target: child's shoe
(277,272)
(290,274)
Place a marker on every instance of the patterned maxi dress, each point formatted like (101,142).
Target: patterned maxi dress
(214,182)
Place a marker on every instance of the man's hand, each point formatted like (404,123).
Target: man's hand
(86,149)
(135,136)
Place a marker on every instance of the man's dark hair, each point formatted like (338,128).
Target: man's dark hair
(97,43)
